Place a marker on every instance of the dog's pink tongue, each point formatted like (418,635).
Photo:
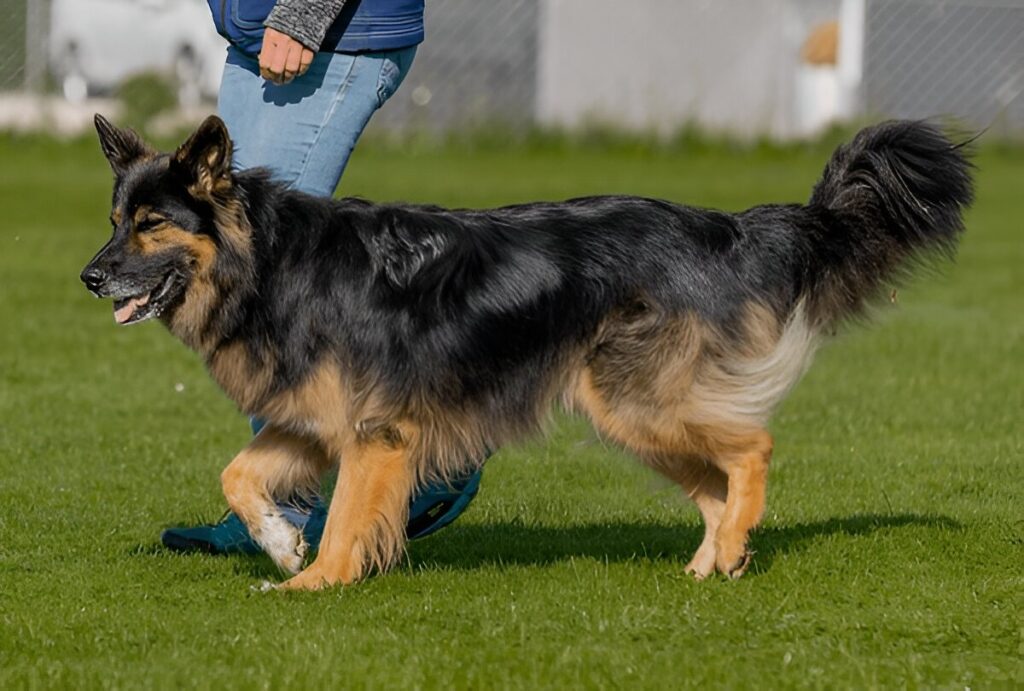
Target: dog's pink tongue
(125,312)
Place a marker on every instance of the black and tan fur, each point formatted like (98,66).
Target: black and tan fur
(399,343)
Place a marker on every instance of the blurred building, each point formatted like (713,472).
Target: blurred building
(740,66)
(783,68)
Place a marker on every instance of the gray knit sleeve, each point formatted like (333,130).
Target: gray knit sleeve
(307,21)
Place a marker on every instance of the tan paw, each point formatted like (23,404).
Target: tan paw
(703,563)
(734,564)
(313,578)
(299,583)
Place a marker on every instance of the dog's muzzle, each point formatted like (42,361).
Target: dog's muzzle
(94,279)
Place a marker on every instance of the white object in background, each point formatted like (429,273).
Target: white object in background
(816,91)
(817,98)
(850,65)
(96,44)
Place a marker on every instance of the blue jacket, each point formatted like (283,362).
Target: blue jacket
(363,25)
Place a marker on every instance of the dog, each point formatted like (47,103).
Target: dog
(399,342)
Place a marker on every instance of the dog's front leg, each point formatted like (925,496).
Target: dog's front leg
(366,521)
(275,464)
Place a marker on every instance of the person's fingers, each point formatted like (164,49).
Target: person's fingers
(283,58)
(305,60)
(268,54)
(277,61)
(267,57)
(292,61)
(273,65)
(282,63)
(273,56)
(265,73)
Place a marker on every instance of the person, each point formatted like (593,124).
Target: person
(301,80)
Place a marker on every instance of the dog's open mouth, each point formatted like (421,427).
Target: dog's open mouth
(132,310)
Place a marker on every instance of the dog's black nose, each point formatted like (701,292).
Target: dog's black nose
(93,278)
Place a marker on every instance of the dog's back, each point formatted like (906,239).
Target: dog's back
(497,312)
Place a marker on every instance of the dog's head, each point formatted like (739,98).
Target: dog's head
(172,214)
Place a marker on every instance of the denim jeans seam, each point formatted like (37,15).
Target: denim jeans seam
(382,85)
(345,86)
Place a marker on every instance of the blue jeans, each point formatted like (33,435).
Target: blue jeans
(304,131)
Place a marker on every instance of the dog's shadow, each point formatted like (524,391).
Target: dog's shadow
(470,547)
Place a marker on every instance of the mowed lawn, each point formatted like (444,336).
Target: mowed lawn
(892,551)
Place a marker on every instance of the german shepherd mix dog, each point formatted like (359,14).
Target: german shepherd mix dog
(398,343)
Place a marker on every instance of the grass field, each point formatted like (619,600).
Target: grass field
(891,554)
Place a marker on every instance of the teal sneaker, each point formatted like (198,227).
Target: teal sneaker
(429,511)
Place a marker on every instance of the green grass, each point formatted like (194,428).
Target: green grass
(891,553)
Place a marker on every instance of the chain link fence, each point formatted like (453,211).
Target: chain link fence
(964,59)
(723,64)
(478,65)
(15,15)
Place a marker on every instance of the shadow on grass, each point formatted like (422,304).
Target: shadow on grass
(256,565)
(472,546)
(469,547)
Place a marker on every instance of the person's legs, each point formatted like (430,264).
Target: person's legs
(304,132)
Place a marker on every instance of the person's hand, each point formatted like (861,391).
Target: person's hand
(283,58)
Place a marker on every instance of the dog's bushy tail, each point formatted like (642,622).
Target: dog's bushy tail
(888,201)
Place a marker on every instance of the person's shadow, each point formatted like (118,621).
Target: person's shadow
(470,547)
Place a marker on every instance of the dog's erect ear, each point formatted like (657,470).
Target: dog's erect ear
(206,156)
(120,146)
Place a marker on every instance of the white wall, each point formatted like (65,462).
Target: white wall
(723,64)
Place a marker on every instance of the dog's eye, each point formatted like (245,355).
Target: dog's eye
(150,222)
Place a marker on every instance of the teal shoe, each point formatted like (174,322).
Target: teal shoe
(439,505)
(228,536)
(430,511)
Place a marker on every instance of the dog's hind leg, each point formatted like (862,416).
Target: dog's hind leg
(662,441)
(744,460)
(706,485)
(274,464)
(366,522)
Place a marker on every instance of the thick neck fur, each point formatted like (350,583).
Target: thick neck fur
(264,300)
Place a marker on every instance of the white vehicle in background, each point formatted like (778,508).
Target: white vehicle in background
(94,45)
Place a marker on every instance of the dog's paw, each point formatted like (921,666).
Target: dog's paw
(310,579)
(737,566)
(325,573)
(282,541)
(703,563)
